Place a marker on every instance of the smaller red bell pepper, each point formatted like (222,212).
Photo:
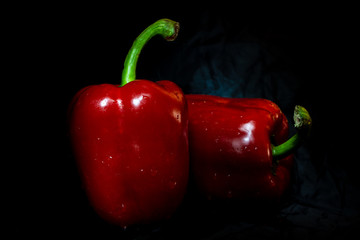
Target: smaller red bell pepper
(131,142)
(239,147)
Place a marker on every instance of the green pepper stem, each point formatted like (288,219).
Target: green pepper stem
(167,28)
(303,124)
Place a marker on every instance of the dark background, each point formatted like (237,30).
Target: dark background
(289,54)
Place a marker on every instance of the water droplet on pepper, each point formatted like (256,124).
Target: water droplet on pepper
(229,194)
(153,172)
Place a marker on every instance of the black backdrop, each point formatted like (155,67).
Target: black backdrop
(290,56)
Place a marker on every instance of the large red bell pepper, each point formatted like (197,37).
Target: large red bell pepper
(239,147)
(131,142)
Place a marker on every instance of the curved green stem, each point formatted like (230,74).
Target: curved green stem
(303,124)
(167,28)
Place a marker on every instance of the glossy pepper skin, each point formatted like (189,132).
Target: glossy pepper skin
(231,147)
(131,147)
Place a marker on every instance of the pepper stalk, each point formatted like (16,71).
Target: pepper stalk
(167,28)
(303,124)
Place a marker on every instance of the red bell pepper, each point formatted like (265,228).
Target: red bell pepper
(238,147)
(131,142)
